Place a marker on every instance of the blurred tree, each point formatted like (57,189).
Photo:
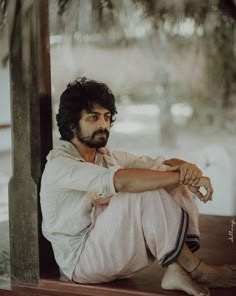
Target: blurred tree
(120,23)
(116,22)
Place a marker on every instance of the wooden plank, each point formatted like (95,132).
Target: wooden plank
(216,246)
(30,98)
(5,125)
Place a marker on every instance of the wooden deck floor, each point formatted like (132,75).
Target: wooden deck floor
(217,247)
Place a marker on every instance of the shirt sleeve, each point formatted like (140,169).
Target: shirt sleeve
(128,160)
(66,173)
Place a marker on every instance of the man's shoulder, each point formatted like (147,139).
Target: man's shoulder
(65,150)
(59,162)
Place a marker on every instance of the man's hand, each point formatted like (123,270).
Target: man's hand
(102,201)
(190,174)
(206,183)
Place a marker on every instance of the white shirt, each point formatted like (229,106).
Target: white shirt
(68,187)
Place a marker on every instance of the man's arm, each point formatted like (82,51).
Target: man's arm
(140,180)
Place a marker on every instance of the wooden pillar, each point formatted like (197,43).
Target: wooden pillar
(31,130)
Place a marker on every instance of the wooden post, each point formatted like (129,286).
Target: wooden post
(31,130)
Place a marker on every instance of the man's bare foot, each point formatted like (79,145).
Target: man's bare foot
(175,278)
(215,276)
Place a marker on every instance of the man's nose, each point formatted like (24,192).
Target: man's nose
(102,122)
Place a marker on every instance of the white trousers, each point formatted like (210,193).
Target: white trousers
(134,230)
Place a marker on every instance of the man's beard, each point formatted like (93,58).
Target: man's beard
(93,141)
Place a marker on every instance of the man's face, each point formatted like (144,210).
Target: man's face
(93,128)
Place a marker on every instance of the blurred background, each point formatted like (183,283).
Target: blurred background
(172,67)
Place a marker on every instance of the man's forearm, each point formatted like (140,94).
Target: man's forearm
(140,180)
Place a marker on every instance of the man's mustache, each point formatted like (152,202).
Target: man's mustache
(101,131)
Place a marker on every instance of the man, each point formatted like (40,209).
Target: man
(109,214)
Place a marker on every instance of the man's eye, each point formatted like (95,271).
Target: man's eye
(94,117)
(107,118)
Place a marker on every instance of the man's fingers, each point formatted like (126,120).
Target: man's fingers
(199,195)
(188,176)
(208,187)
(205,183)
(197,177)
(193,177)
(197,180)
(184,175)
(209,193)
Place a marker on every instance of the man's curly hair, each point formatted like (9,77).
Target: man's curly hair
(82,94)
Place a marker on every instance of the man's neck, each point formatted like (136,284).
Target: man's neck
(86,152)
